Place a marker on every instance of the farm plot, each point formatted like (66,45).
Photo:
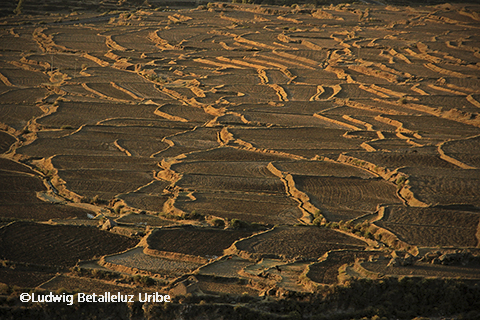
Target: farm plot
(321,168)
(144,201)
(76,114)
(251,93)
(136,259)
(233,155)
(107,90)
(465,151)
(277,118)
(24,78)
(300,92)
(390,145)
(251,207)
(231,183)
(228,267)
(307,141)
(227,168)
(346,198)
(192,114)
(135,40)
(10,165)
(433,226)
(306,108)
(434,127)
(200,242)
(102,141)
(150,197)
(57,245)
(86,39)
(143,90)
(19,41)
(189,141)
(18,200)
(104,183)
(86,162)
(292,242)
(364,113)
(220,80)
(17,116)
(420,157)
(444,186)
(106,75)
(217,286)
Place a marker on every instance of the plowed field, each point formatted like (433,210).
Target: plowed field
(308,114)
(291,242)
(57,245)
(195,241)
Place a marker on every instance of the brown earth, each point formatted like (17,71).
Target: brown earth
(267,114)
(291,242)
(195,241)
(59,246)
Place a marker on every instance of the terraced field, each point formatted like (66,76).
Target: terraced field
(57,245)
(274,149)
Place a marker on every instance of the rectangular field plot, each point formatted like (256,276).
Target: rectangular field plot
(217,286)
(106,184)
(227,168)
(233,155)
(226,267)
(321,168)
(276,117)
(200,242)
(85,162)
(466,151)
(191,114)
(136,259)
(298,139)
(435,127)
(231,183)
(433,226)
(21,77)
(57,245)
(291,242)
(86,40)
(350,194)
(262,208)
(421,157)
(144,201)
(306,108)
(444,186)
(77,114)
(107,90)
(17,116)
(104,141)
